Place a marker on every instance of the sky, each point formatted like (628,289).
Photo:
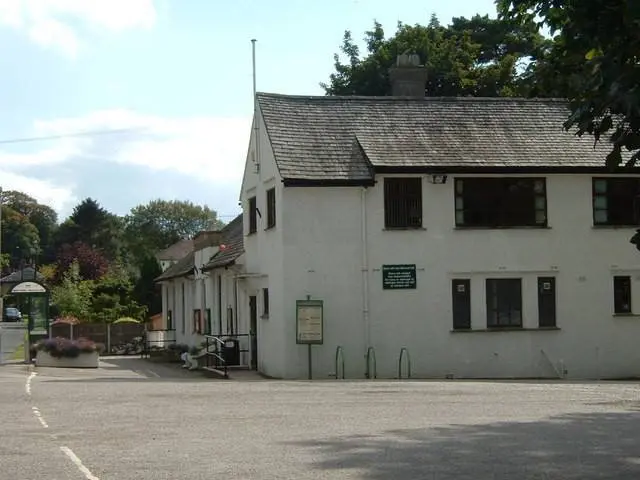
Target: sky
(166,88)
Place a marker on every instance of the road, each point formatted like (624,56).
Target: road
(11,336)
(133,419)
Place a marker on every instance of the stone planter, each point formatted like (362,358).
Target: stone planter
(84,360)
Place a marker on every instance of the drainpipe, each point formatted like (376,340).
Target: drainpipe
(235,300)
(203,301)
(365,270)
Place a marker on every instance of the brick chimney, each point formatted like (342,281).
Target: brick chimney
(408,77)
(208,238)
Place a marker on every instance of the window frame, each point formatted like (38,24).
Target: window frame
(197,321)
(459,202)
(547,302)
(618,309)
(253,217)
(265,302)
(207,325)
(493,314)
(170,326)
(461,303)
(270,198)
(398,213)
(607,194)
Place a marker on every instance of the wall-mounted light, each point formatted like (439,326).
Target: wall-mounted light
(438,179)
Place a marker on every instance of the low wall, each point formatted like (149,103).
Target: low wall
(84,360)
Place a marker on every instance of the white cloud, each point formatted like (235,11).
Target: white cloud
(57,197)
(210,149)
(59,152)
(56,23)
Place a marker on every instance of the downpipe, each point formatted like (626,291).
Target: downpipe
(365,271)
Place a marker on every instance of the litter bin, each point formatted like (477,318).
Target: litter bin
(231,352)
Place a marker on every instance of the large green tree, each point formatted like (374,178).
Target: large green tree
(43,217)
(478,56)
(20,239)
(92,225)
(160,223)
(596,56)
(113,297)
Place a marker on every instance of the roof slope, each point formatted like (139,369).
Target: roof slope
(182,267)
(176,251)
(317,138)
(232,238)
(25,275)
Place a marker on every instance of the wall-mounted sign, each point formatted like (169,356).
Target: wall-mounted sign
(28,287)
(395,277)
(309,322)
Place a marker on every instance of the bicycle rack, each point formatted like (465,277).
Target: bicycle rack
(340,357)
(404,353)
(371,354)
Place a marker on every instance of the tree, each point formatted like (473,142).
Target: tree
(160,223)
(91,224)
(113,297)
(20,239)
(43,217)
(72,297)
(146,291)
(597,51)
(92,264)
(478,56)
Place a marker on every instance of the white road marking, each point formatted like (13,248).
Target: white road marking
(78,463)
(66,450)
(27,386)
(153,374)
(38,415)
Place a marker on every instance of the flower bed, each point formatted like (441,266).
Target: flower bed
(62,352)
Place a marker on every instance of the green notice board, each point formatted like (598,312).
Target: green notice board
(397,277)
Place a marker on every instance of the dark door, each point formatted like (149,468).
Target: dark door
(253,330)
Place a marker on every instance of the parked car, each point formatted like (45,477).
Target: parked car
(12,314)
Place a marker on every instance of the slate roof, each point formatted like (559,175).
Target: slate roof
(176,251)
(346,138)
(182,267)
(232,238)
(27,274)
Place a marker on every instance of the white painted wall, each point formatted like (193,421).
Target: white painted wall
(201,293)
(321,245)
(264,257)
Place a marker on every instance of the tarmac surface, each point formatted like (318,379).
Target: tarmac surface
(133,419)
(11,337)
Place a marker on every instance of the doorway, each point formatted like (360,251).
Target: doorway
(253,330)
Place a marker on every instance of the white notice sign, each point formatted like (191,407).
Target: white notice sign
(28,287)
(309,322)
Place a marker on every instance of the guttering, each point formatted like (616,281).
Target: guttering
(453,169)
(251,275)
(338,182)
